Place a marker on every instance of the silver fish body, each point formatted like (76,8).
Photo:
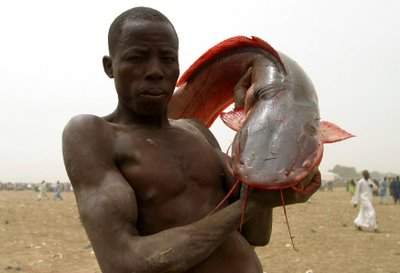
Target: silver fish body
(279,142)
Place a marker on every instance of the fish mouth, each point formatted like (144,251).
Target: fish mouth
(282,179)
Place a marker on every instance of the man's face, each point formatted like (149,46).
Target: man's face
(145,66)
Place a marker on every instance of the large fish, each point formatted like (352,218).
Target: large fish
(280,137)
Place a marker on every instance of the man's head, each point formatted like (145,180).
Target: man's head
(143,60)
(365,174)
(134,14)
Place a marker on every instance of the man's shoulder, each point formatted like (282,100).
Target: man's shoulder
(84,122)
(85,128)
(196,126)
(87,143)
(190,123)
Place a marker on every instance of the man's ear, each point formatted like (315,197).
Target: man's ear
(107,65)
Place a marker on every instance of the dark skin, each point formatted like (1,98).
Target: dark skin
(144,184)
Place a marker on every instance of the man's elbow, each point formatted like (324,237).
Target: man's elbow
(259,241)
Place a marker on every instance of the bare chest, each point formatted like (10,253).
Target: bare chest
(166,166)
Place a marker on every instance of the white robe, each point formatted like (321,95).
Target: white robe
(366,218)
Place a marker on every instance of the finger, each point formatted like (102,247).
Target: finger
(240,89)
(314,184)
(301,196)
(309,178)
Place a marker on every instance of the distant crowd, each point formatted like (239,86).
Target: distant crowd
(50,186)
(384,188)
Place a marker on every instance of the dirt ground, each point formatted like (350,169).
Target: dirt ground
(47,237)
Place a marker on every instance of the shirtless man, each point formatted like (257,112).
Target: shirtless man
(144,184)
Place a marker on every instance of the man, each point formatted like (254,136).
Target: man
(395,189)
(57,191)
(383,190)
(42,191)
(145,185)
(366,218)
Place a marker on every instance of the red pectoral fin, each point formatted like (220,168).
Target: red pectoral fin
(330,132)
(234,119)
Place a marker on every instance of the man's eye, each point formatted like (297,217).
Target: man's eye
(168,59)
(134,58)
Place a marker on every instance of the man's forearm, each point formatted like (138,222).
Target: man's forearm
(257,230)
(181,248)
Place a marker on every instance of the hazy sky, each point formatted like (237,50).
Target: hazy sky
(51,69)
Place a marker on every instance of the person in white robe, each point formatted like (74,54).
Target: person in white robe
(42,191)
(366,218)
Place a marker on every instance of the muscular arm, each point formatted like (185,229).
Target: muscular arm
(108,209)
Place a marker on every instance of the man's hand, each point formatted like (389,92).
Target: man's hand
(298,194)
(241,88)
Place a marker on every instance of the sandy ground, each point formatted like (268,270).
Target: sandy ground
(47,237)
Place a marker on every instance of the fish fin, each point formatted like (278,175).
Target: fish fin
(331,133)
(206,88)
(233,119)
(223,47)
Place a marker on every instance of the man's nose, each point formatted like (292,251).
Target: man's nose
(154,70)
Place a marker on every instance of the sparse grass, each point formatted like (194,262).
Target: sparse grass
(47,237)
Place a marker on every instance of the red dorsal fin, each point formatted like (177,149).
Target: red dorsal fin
(223,47)
(330,132)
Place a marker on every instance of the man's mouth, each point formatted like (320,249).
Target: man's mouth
(154,93)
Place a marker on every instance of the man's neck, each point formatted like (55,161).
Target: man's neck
(123,116)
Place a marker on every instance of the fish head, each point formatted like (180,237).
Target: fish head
(278,143)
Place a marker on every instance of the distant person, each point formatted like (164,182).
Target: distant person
(42,191)
(395,190)
(383,190)
(329,185)
(351,186)
(366,218)
(390,181)
(375,191)
(57,191)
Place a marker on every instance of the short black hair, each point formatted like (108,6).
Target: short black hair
(365,173)
(136,13)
